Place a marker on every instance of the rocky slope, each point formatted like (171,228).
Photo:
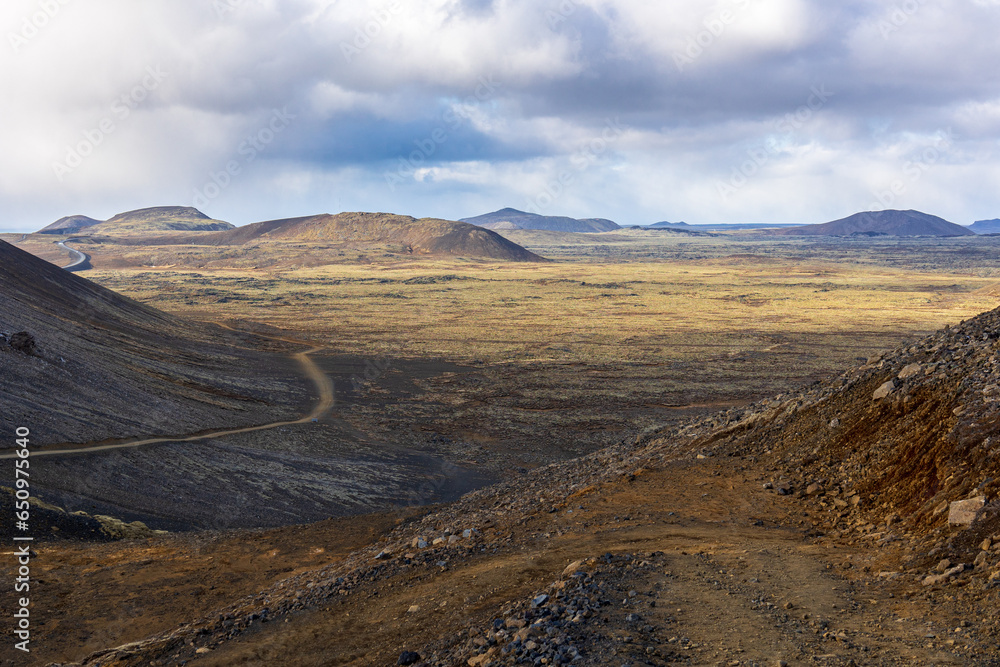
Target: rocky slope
(876,223)
(81,363)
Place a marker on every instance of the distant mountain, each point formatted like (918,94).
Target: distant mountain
(427,236)
(742,226)
(986,226)
(509,218)
(881,223)
(162,218)
(141,221)
(664,225)
(69,225)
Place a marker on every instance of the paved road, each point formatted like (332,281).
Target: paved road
(325,403)
(81,260)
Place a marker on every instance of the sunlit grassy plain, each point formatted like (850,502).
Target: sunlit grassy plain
(771,309)
(623,331)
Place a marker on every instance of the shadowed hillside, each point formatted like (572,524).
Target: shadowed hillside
(81,363)
(509,218)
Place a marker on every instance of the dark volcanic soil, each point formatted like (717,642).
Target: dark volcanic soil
(104,366)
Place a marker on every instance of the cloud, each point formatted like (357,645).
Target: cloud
(455,107)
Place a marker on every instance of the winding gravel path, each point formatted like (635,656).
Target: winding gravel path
(323,405)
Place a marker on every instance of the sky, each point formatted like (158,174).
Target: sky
(640,111)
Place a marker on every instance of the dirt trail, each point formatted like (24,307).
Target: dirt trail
(692,563)
(324,404)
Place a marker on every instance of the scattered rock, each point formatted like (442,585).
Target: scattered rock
(958,569)
(408,658)
(909,371)
(934,579)
(23,342)
(963,512)
(572,568)
(884,390)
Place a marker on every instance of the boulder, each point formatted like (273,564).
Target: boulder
(23,342)
(408,658)
(884,390)
(963,512)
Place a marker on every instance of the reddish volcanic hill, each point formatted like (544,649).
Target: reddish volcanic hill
(426,236)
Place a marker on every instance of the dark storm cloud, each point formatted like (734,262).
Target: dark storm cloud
(837,95)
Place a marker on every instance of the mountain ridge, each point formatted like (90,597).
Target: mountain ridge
(69,225)
(425,236)
(889,222)
(140,221)
(510,218)
(986,226)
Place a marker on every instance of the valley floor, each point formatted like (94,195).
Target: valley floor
(543,378)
